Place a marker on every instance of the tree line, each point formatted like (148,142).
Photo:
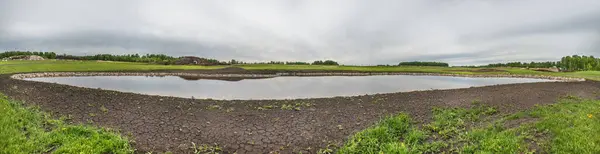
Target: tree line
(326,62)
(150,58)
(525,65)
(567,63)
(580,63)
(421,63)
(47,55)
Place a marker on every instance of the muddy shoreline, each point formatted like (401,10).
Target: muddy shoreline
(159,123)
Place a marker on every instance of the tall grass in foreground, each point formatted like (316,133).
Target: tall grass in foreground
(27,130)
(570,126)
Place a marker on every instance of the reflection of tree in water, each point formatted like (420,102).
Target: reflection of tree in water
(191,78)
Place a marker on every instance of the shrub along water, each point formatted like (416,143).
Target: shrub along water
(28,130)
(570,126)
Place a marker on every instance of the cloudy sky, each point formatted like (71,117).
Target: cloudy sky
(461,32)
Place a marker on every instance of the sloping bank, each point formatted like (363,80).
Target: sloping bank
(259,75)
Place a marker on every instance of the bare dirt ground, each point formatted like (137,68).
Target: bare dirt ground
(158,123)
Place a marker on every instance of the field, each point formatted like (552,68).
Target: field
(519,118)
(7,67)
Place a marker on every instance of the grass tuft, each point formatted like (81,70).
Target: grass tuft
(570,126)
(28,130)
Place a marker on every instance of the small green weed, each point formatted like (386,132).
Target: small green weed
(296,106)
(265,107)
(327,150)
(103,109)
(206,149)
(448,122)
(214,107)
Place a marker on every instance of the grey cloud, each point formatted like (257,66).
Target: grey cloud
(462,32)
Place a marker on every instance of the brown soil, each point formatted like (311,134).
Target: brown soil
(172,124)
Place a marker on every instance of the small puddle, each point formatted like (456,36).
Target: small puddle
(277,88)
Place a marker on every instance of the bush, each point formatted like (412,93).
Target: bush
(326,62)
(418,63)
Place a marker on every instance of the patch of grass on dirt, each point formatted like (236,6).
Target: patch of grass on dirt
(206,149)
(394,134)
(448,122)
(28,130)
(570,126)
(573,125)
(214,107)
(289,106)
(265,107)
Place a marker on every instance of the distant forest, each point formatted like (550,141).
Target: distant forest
(47,55)
(567,63)
(149,58)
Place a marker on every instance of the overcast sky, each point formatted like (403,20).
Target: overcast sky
(461,32)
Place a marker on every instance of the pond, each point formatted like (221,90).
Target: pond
(279,87)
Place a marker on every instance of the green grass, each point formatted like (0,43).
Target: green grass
(448,122)
(592,75)
(27,130)
(7,67)
(385,137)
(574,125)
(570,126)
(58,66)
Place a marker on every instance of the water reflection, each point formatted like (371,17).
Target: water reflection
(276,88)
(193,78)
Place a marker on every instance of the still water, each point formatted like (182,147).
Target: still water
(279,87)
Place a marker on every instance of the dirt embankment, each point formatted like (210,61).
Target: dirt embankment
(261,126)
